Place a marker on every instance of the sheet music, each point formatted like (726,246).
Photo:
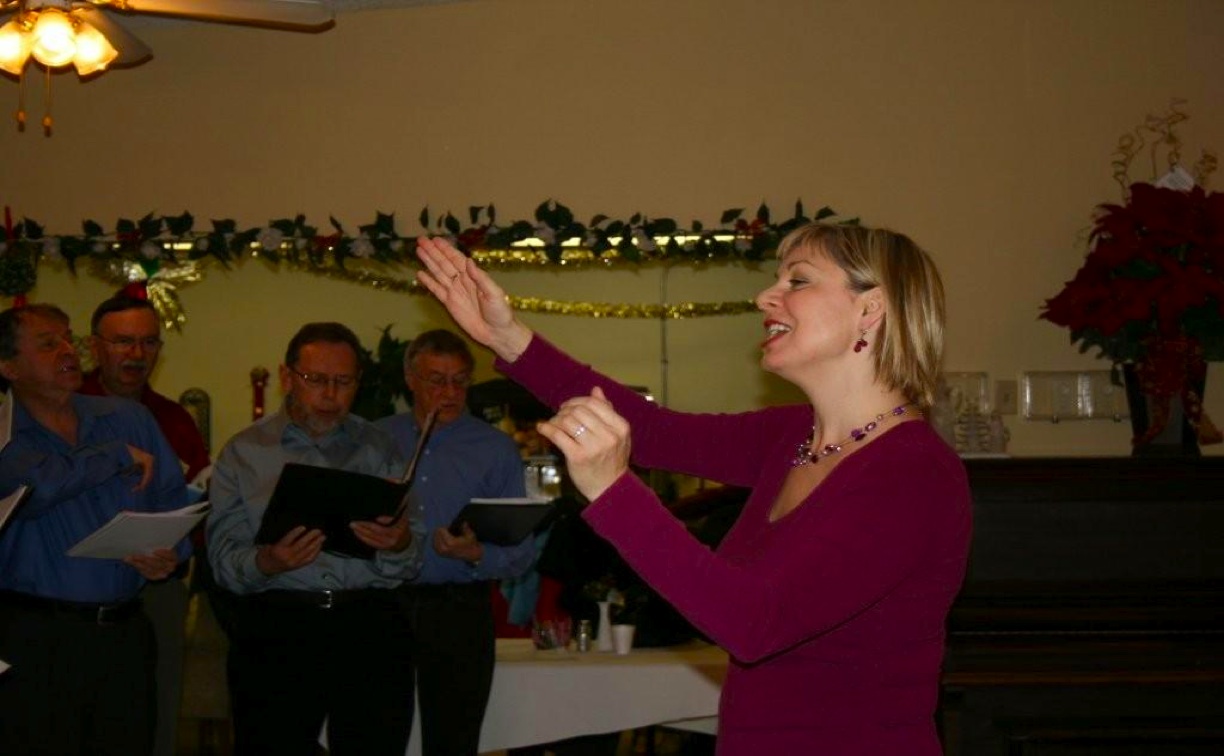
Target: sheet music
(6,419)
(140,532)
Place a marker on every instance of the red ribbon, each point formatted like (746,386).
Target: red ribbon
(1174,367)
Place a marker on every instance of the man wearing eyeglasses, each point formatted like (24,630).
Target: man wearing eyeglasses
(125,341)
(451,630)
(81,649)
(318,634)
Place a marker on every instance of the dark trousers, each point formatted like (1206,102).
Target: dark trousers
(294,663)
(450,631)
(76,685)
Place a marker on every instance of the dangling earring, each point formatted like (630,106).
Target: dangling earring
(861,343)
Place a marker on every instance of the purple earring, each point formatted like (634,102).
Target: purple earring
(861,343)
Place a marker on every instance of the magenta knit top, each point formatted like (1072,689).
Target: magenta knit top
(834,614)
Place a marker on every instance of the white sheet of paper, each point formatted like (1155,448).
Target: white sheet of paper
(10,502)
(140,532)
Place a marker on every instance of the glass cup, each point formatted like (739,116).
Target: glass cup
(551,635)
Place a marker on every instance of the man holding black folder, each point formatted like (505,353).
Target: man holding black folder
(81,649)
(450,629)
(318,632)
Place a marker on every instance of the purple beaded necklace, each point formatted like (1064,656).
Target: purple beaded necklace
(804,454)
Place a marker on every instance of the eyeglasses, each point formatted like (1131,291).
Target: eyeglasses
(148,343)
(438,382)
(323,380)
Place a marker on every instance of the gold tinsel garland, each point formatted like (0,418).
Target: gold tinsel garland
(683,310)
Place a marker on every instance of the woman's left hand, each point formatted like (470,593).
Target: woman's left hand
(594,440)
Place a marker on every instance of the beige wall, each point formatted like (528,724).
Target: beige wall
(984,129)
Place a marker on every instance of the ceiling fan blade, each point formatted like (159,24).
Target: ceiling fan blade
(131,50)
(293,13)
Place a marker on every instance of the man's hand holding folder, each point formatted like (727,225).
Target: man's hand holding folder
(351,514)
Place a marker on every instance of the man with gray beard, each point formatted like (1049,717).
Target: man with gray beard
(317,634)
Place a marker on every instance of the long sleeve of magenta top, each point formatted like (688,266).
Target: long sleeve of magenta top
(834,614)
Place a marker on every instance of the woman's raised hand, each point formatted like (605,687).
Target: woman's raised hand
(594,440)
(476,303)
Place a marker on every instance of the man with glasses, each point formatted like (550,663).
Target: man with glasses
(317,634)
(82,651)
(125,342)
(450,628)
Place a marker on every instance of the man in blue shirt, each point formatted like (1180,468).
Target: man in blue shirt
(449,603)
(316,634)
(82,652)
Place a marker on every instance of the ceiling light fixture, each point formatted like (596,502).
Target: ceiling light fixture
(55,39)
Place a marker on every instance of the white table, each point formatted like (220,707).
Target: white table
(543,696)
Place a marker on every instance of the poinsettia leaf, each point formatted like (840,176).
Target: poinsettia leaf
(336,224)
(474,212)
(92,228)
(799,210)
(32,229)
(730,216)
(423,218)
(763,213)
(284,225)
(125,226)
(662,227)
(224,226)
(452,224)
(826,212)
(180,225)
(150,227)
(384,223)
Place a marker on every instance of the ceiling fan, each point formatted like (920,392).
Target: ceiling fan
(88,34)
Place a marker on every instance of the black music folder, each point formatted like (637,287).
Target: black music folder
(327,499)
(504,522)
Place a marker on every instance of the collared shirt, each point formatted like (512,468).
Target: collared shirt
(242,482)
(175,422)
(464,459)
(74,491)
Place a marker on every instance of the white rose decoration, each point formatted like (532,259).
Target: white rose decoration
(270,239)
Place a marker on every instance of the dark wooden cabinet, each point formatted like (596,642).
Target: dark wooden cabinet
(1092,617)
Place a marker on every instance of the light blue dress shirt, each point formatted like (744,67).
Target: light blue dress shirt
(242,482)
(77,489)
(464,459)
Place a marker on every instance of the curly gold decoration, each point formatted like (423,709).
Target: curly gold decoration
(1161,131)
(162,286)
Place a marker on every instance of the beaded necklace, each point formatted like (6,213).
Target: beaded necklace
(804,454)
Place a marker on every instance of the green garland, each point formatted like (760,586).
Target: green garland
(154,246)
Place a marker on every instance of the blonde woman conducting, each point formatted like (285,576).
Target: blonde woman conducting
(831,590)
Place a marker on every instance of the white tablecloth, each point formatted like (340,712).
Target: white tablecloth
(542,696)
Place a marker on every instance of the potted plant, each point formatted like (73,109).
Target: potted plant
(1150,294)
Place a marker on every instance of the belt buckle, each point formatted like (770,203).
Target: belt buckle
(108,614)
(329,600)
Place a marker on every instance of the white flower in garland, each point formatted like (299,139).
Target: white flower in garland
(644,241)
(51,248)
(361,247)
(270,238)
(150,250)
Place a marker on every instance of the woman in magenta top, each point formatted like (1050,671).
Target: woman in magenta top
(831,590)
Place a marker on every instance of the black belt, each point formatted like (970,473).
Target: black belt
(478,589)
(101,614)
(318,599)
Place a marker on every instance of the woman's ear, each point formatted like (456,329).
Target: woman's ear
(873,309)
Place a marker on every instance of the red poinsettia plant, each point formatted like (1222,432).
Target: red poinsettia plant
(1151,290)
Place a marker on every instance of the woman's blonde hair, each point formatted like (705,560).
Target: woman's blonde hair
(909,351)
